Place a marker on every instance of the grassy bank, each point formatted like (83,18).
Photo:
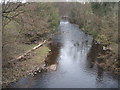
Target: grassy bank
(27,67)
(36,23)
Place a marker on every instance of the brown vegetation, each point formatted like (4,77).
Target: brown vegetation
(36,23)
(25,25)
(101,21)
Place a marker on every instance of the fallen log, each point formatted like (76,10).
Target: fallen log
(23,57)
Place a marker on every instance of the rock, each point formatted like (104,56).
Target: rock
(35,73)
(44,64)
(37,69)
(53,67)
(43,69)
(49,50)
(104,48)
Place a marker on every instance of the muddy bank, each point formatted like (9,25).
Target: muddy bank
(104,58)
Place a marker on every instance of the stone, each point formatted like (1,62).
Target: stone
(35,73)
(53,67)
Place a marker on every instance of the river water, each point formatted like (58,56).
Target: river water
(69,50)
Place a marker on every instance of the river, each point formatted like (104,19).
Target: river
(69,50)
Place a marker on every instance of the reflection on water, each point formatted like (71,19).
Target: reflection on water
(53,55)
(75,56)
(99,74)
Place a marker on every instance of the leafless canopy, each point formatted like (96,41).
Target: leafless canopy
(10,10)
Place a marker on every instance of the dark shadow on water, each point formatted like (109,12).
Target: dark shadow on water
(99,73)
(53,55)
(95,50)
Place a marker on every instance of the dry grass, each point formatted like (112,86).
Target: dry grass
(24,68)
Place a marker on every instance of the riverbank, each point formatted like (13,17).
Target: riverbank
(34,62)
(107,57)
(35,22)
(104,57)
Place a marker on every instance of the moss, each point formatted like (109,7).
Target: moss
(93,33)
(102,39)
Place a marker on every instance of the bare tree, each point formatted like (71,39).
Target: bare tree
(10,10)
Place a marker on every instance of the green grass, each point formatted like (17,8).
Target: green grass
(26,47)
(40,53)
